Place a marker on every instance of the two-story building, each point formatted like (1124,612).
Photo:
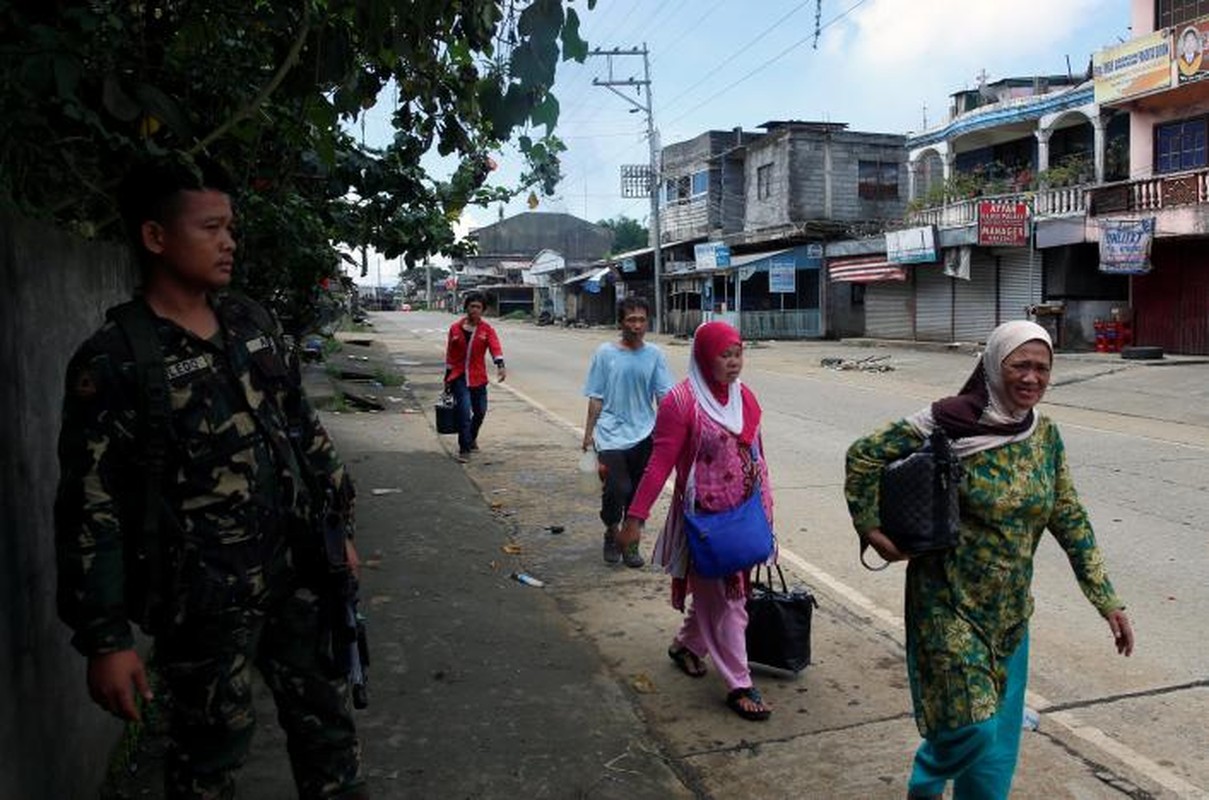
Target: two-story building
(999,189)
(1161,78)
(744,215)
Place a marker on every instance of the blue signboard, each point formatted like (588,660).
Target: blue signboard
(781,275)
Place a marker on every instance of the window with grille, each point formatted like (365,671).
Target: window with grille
(877,180)
(676,190)
(1170,13)
(1179,145)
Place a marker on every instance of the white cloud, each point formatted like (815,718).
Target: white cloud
(902,34)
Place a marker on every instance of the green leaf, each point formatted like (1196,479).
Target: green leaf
(546,113)
(117,102)
(574,47)
(67,75)
(160,105)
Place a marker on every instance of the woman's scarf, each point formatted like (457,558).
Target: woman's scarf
(729,405)
(980,416)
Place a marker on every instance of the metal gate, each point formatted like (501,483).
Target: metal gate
(1019,282)
(974,314)
(1171,303)
(888,310)
(933,304)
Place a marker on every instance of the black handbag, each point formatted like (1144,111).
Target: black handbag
(447,414)
(919,506)
(778,623)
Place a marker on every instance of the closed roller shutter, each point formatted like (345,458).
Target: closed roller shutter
(888,310)
(974,311)
(933,305)
(1019,282)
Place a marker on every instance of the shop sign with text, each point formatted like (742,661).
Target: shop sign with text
(1002,224)
(1125,245)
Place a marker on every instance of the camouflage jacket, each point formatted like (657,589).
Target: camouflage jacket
(232,483)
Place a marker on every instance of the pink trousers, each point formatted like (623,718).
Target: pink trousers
(716,625)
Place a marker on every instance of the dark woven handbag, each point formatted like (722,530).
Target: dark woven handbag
(778,623)
(447,414)
(919,508)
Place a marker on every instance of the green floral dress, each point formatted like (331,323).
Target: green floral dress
(967,609)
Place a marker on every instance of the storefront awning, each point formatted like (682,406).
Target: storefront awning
(591,280)
(869,269)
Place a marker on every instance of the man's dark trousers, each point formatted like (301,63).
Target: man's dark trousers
(623,471)
(471,403)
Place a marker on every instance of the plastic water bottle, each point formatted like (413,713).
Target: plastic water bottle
(588,480)
(1032,720)
(527,579)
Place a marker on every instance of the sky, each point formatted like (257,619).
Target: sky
(880,65)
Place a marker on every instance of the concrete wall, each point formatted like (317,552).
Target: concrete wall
(721,209)
(815,176)
(55,742)
(773,152)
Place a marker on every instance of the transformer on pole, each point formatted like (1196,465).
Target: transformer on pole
(638,180)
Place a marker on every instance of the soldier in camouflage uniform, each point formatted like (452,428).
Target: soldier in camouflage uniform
(225,593)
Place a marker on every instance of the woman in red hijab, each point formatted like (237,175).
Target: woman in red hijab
(708,430)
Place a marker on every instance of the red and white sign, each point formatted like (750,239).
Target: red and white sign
(865,269)
(1002,224)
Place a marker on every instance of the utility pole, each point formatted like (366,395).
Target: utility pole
(633,180)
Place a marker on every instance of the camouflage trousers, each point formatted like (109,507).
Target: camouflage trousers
(207,665)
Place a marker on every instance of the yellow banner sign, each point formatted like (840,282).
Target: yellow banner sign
(1139,66)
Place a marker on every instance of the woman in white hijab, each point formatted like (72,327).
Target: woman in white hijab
(967,608)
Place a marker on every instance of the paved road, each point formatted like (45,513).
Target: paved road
(1138,438)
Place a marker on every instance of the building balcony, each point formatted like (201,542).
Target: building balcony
(1156,193)
(1060,201)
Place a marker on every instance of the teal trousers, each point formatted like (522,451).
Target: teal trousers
(980,759)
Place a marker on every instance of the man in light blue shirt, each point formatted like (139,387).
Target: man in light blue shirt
(626,381)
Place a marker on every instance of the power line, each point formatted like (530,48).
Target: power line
(684,34)
(738,52)
(772,60)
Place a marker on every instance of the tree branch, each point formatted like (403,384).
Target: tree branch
(291,58)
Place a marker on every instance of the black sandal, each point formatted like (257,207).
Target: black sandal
(752,694)
(688,661)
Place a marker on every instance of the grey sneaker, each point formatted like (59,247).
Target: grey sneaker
(612,553)
(632,557)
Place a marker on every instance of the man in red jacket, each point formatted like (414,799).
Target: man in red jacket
(470,338)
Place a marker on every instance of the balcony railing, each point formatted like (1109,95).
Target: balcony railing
(1151,194)
(1047,202)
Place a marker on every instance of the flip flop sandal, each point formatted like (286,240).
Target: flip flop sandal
(750,693)
(688,661)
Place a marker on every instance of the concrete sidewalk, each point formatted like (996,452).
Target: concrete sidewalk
(479,686)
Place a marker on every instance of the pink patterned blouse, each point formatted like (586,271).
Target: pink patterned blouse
(725,471)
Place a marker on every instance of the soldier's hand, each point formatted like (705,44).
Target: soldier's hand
(884,547)
(113,678)
(354,560)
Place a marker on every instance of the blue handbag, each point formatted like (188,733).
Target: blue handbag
(725,542)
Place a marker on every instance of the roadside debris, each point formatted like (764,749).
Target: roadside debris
(867,364)
(380,492)
(555,528)
(527,579)
(511,549)
(642,683)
